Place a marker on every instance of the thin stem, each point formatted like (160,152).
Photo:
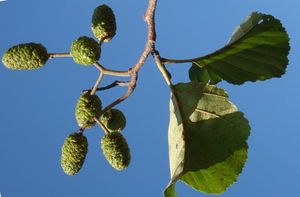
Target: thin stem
(112,72)
(162,69)
(167,78)
(81,130)
(106,131)
(131,87)
(116,102)
(149,19)
(174,96)
(53,55)
(97,83)
(112,85)
(170,61)
(100,42)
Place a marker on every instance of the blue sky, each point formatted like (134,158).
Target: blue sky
(37,107)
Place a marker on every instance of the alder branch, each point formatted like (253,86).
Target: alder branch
(149,46)
(149,18)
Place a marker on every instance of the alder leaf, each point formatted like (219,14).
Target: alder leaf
(257,50)
(203,75)
(207,138)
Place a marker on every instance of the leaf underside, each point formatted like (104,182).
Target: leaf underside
(207,138)
(257,50)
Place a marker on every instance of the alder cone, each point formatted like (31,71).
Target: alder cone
(73,153)
(88,107)
(26,56)
(85,51)
(104,23)
(116,150)
(113,120)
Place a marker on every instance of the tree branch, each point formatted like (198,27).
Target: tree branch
(133,71)
(149,46)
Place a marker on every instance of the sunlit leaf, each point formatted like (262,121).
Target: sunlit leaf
(257,50)
(207,138)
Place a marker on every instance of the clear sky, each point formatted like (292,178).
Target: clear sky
(37,107)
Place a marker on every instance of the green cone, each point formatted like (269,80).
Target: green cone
(88,107)
(85,51)
(104,23)
(26,56)
(116,150)
(73,153)
(114,120)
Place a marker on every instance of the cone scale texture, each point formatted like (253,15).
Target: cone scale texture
(88,107)
(85,51)
(26,56)
(73,154)
(113,120)
(116,150)
(104,23)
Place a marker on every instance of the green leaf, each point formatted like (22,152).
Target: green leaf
(217,178)
(203,75)
(170,191)
(198,74)
(257,50)
(207,138)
